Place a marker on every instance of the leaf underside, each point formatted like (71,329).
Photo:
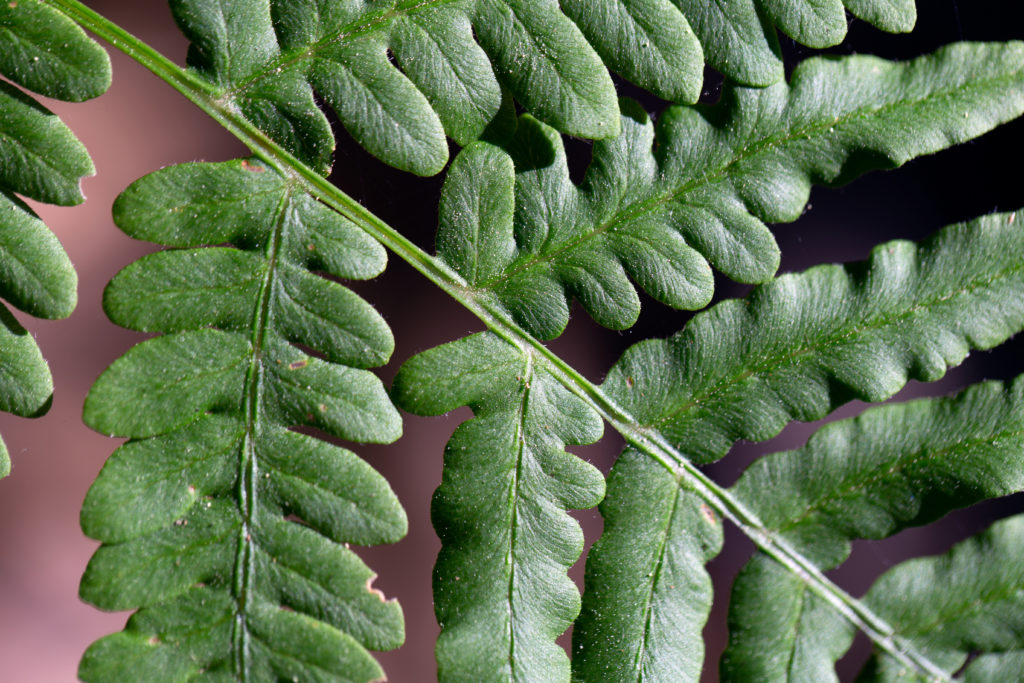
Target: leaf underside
(802,345)
(647,594)
(661,204)
(964,606)
(739,38)
(223,526)
(44,51)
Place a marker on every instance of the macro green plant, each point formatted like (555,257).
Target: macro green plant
(226,519)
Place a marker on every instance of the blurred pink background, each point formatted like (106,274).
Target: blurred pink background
(141,125)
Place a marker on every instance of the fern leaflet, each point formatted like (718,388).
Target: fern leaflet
(401,115)
(870,477)
(704,193)
(910,309)
(44,51)
(226,528)
(500,589)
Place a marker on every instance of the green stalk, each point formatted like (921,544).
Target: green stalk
(482,304)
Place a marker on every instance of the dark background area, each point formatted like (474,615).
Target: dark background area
(141,125)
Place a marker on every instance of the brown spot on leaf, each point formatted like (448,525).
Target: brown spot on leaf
(153,640)
(311,247)
(249,166)
(375,591)
(297,364)
(708,514)
(629,381)
(323,408)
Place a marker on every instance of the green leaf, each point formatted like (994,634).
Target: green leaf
(227,530)
(543,58)
(894,16)
(267,57)
(703,194)
(963,603)
(647,593)
(43,50)
(25,383)
(648,42)
(39,157)
(36,274)
(779,629)
(739,37)
(893,467)
(814,23)
(803,344)
(506,485)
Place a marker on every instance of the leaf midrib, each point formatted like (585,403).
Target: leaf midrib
(248,467)
(520,443)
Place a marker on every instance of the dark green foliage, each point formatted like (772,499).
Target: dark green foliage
(267,57)
(704,194)
(225,521)
(48,53)
(193,511)
(500,589)
(966,602)
(739,39)
(647,594)
(648,42)
(42,50)
(803,344)
(909,311)
(870,477)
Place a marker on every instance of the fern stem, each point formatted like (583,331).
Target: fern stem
(487,309)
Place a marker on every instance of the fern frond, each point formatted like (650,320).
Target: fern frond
(647,42)
(196,511)
(647,594)
(870,477)
(265,59)
(795,349)
(704,193)
(803,344)
(500,589)
(739,36)
(960,605)
(40,158)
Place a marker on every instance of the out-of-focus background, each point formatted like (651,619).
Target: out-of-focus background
(142,125)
